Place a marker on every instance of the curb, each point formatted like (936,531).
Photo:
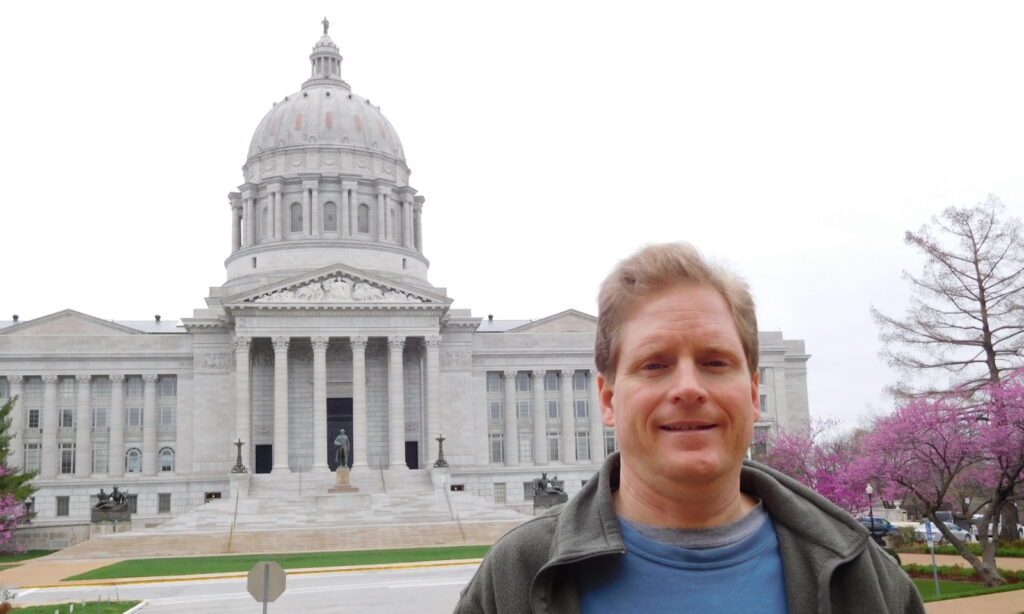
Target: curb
(137,608)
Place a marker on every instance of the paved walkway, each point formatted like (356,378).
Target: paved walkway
(1000,603)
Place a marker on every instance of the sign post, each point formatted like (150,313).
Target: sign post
(931,546)
(266,582)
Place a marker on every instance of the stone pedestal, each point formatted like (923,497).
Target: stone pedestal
(240,484)
(545,500)
(440,478)
(342,485)
(119,514)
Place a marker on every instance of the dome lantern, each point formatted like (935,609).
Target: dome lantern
(325,61)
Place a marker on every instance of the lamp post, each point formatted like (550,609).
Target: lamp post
(871,515)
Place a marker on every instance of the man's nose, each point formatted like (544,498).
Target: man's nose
(687,385)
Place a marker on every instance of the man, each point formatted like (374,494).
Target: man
(343,451)
(677,521)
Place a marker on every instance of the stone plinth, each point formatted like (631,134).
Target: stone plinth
(111,515)
(440,478)
(240,484)
(342,485)
(545,500)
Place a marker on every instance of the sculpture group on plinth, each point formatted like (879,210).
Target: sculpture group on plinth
(548,492)
(343,458)
(112,507)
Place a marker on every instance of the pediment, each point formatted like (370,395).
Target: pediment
(339,286)
(68,323)
(568,321)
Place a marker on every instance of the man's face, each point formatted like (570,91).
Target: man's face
(683,403)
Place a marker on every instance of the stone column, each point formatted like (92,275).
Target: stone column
(396,404)
(242,398)
(596,424)
(48,462)
(407,223)
(348,210)
(83,428)
(249,219)
(320,403)
(115,468)
(236,228)
(307,212)
(275,215)
(433,426)
(568,418)
(149,425)
(360,441)
(540,419)
(316,221)
(280,405)
(511,422)
(418,225)
(382,224)
(17,457)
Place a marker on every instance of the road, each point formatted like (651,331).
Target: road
(432,590)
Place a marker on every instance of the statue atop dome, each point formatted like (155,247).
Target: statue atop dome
(326,24)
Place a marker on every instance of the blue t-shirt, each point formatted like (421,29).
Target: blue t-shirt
(652,576)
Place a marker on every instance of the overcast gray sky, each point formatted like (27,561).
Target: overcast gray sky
(795,141)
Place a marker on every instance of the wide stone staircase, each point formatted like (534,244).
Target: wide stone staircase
(286,514)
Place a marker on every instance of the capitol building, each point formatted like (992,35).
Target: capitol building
(327,320)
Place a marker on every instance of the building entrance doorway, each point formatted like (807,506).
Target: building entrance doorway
(339,416)
(264,458)
(412,454)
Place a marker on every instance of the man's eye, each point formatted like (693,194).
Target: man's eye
(652,366)
(716,363)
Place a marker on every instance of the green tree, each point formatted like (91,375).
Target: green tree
(13,481)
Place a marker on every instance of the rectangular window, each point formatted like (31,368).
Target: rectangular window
(5,390)
(67,457)
(527,491)
(551,381)
(66,387)
(31,457)
(133,416)
(497,446)
(100,387)
(582,445)
(99,457)
(554,446)
(33,418)
(168,386)
(496,410)
(133,504)
(33,389)
(500,495)
(493,381)
(524,410)
(134,385)
(765,373)
(165,417)
(67,418)
(100,417)
(525,447)
(610,445)
(63,505)
(764,403)
(163,505)
(579,380)
(523,382)
(582,408)
(554,409)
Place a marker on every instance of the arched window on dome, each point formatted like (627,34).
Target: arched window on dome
(133,461)
(363,218)
(330,217)
(296,211)
(166,459)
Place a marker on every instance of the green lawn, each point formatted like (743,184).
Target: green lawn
(94,607)
(22,556)
(954,590)
(140,568)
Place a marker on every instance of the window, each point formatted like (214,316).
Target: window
(500,495)
(166,459)
(168,386)
(497,446)
(66,387)
(133,503)
(363,219)
(5,390)
(524,410)
(551,381)
(33,418)
(66,453)
(579,380)
(582,407)
(133,416)
(496,410)
(764,403)
(296,217)
(31,457)
(764,375)
(67,418)
(554,446)
(99,457)
(523,382)
(494,381)
(100,387)
(100,417)
(582,445)
(759,447)
(525,447)
(165,416)
(554,409)
(527,491)
(133,461)
(163,505)
(610,445)
(33,389)
(63,505)
(330,217)
(134,385)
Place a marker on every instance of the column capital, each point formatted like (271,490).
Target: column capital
(358,343)
(281,343)
(510,373)
(242,344)
(83,379)
(567,373)
(49,379)
(593,371)
(396,342)
(116,378)
(432,341)
(15,379)
(149,378)
(539,373)
(319,343)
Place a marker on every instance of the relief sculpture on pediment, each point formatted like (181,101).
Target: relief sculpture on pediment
(338,289)
(216,361)
(452,359)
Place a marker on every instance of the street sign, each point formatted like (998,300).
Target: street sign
(266,582)
(928,532)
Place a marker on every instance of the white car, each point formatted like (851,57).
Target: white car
(992,530)
(922,533)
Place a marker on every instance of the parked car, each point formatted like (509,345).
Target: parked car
(882,527)
(993,530)
(922,533)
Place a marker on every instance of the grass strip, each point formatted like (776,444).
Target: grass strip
(15,557)
(951,589)
(186,566)
(88,607)
(1002,551)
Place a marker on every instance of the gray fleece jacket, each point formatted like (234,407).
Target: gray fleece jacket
(831,565)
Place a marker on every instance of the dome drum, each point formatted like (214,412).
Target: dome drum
(327,161)
(287,259)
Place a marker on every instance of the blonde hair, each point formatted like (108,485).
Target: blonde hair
(659,267)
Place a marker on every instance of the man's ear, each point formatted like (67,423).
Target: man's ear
(605,392)
(755,396)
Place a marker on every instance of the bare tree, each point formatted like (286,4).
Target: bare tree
(965,318)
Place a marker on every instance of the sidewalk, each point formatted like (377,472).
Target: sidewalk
(999,603)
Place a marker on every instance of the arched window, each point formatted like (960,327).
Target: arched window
(330,217)
(296,210)
(363,218)
(166,459)
(133,461)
